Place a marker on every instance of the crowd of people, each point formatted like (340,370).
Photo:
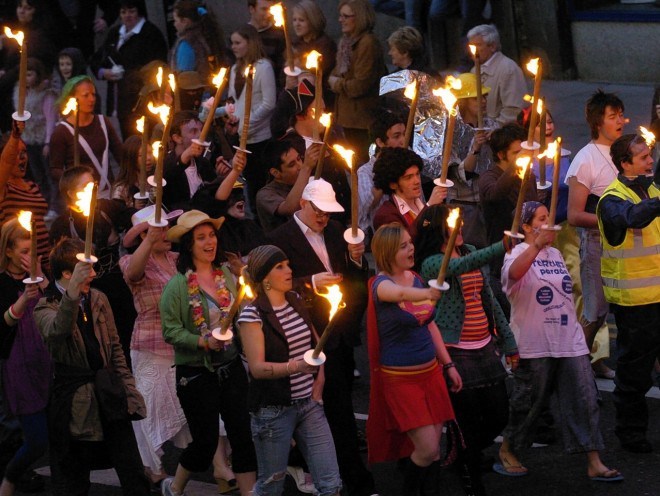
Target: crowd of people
(104,360)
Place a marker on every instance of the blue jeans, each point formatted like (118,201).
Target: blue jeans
(35,442)
(420,12)
(595,306)
(273,427)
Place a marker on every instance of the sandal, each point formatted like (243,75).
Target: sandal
(509,469)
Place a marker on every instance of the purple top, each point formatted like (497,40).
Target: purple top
(27,371)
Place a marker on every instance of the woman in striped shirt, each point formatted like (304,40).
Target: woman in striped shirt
(284,397)
(471,322)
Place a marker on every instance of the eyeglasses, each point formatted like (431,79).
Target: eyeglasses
(318,211)
(343,17)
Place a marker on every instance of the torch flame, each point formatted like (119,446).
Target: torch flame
(159,77)
(18,36)
(410,90)
(539,108)
(277,11)
(522,163)
(453,83)
(473,49)
(246,287)
(25,220)
(346,154)
(325,119)
(155,149)
(71,106)
(172,80)
(163,111)
(249,69)
(219,77)
(139,124)
(313,58)
(84,199)
(335,298)
(447,97)
(552,149)
(648,136)
(452,218)
(533,66)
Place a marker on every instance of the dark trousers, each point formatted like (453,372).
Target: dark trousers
(638,345)
(338,406)
(255,173)
(482,414)
(119,448)
(203,398)
(35,442)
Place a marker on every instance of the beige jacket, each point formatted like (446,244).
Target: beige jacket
(357,89)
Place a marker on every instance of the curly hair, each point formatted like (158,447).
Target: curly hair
(391,164)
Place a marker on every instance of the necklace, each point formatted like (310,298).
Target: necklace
(195,299)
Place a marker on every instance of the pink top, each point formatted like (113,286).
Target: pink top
(147,332)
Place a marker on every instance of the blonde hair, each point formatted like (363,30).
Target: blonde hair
(11,232)
(385,245)
(314,15)
(365,15)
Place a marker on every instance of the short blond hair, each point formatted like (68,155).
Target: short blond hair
(385,245)
(408,40)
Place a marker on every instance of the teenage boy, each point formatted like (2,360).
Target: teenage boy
(388,131)
(498,191)
(590,173)
(94,395)
(280,198)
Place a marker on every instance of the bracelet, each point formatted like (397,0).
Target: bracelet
(448,365)
(12,315)
(206,343)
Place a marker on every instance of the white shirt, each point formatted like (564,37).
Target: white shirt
(317,242)
(593,168)
(194,179)
(543,317)
(124,36)
(404,208)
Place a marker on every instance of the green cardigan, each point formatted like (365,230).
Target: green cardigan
(179,329)
(451,306)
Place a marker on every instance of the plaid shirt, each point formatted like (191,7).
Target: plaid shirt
(147,333)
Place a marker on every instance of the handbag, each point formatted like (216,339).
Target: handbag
(7,338)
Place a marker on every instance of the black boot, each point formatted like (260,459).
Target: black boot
(431,483)
(470,474)
(413,479)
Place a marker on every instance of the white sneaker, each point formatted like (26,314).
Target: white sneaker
(166,488)
(302,479)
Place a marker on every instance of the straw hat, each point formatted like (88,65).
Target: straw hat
(140,221)
(189,221)
(469,86)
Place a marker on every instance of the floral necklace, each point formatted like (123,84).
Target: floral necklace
(194,297)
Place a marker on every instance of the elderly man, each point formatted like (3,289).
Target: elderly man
(500,73)
(319,257)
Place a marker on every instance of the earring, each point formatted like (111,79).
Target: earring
(267,286)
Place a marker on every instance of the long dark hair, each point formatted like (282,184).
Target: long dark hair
(185,261)
(431,228)
(207,25)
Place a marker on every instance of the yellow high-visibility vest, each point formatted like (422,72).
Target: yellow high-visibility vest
(631,270)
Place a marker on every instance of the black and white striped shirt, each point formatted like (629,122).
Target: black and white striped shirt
(299,338)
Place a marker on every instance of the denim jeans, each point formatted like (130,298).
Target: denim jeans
(572,381)
(273,427)
(595,306)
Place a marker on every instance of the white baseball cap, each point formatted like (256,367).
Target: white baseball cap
(320,192)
